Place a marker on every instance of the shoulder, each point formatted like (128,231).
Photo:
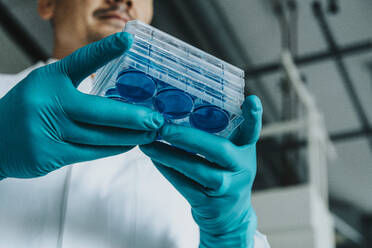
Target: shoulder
(8,81)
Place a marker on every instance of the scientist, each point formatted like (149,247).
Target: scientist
(113,196)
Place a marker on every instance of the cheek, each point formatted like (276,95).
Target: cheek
(142,10)
(88,8)
(72,14)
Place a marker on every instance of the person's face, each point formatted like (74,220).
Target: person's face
(91,20)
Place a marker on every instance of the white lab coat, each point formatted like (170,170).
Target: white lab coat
(120,201)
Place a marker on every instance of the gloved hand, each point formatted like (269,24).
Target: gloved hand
(218,186)
(47,123)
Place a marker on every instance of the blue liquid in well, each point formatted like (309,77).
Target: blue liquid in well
(209,118)
(135,86)
(112,93)
(173,103)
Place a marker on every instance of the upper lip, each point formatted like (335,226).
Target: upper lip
(115,14)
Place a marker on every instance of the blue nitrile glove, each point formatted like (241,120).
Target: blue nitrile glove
(47,123)
(218,187)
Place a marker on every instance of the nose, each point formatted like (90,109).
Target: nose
(128,3)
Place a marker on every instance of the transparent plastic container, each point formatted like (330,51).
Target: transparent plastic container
(196,57)
(186,85)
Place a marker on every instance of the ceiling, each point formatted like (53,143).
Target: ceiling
(350,174)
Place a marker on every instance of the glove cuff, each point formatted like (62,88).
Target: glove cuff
(242,236)
(231,240)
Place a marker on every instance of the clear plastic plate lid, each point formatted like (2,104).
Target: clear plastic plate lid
(178,48)
(151,47)
(183,66)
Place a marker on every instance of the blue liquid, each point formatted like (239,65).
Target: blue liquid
(135,86)
(173,103)
(112,93)
(209,118)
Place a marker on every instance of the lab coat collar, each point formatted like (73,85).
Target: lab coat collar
(51,60)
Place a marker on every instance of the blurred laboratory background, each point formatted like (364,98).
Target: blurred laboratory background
(311,64)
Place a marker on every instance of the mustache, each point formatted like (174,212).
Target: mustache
(118,8)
